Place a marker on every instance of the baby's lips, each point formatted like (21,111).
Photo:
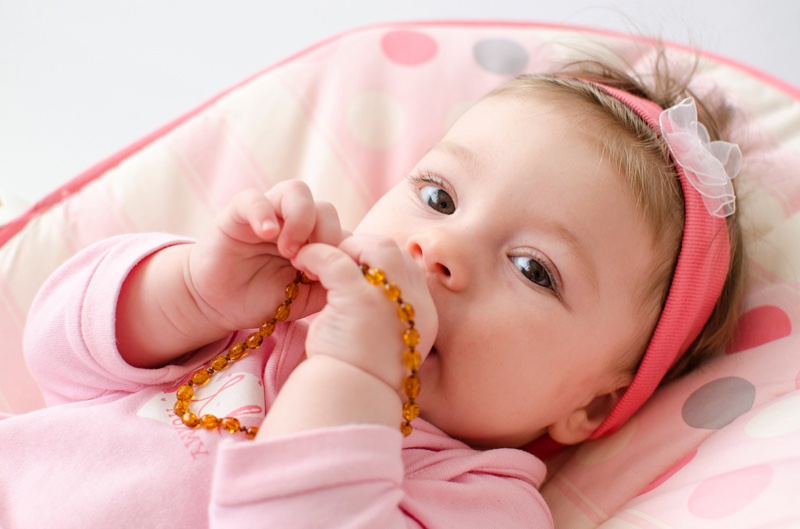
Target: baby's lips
(427,355)
(425,346)
(429,328)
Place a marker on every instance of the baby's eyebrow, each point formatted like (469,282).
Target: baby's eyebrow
(464,155)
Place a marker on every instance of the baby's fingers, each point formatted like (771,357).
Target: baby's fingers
(249,218)
(358,321)
(401,269)
(293,204)
(333,268)
(377,252)
(328,228)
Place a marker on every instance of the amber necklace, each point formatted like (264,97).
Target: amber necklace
(411,359)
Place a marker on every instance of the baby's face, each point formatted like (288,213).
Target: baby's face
(533,253)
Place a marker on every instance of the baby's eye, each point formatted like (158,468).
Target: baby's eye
(533,270)
(438,199)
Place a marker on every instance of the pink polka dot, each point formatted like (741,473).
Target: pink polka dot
(682,462)
(759,326)
(728,493)
(409,48)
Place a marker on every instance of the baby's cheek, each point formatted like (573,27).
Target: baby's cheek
(577,386)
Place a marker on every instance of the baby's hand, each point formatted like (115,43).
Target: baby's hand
(237,274)
(360,324)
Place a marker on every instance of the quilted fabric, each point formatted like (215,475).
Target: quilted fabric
(720,448)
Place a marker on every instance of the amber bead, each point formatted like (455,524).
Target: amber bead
(411,337)
(267,328)
(209,422)
(190,419)
(181,407)
(376,276)
(236,351)
(282,312)
(411,386)
(304,279)
(412,360)
(185,392)
(406,312)
(406,429)
(219,363)
(200,377)
(251,432)
(254,340)
(231,424)
(410,411)
(292,290)
(392,291)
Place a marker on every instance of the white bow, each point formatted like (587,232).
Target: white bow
(709,165)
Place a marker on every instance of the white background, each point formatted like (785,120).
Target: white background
(80,79)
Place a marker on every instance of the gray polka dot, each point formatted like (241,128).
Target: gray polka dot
(501,56)
(718,403)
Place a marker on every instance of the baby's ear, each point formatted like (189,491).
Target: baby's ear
(578,425)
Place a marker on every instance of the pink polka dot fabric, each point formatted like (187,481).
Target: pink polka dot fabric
(350,116)
(408,47)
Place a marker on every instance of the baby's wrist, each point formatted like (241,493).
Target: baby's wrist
(155,320)
(326,391)
(385,374)
(196,313)
(182,307)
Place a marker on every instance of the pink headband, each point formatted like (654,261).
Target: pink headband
(705,169)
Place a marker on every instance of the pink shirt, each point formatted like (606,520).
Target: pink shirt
(108,451)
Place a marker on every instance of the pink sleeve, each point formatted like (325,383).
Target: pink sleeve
(353,476)
(70,342)
(349,477)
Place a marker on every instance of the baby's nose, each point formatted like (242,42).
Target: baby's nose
(441,258)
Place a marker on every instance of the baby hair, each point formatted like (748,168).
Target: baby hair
(630,144)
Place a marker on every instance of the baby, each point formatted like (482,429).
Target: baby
(565,248)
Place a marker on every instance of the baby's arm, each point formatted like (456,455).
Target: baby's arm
(186,296)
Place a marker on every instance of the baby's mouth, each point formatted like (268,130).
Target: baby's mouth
(431,353)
